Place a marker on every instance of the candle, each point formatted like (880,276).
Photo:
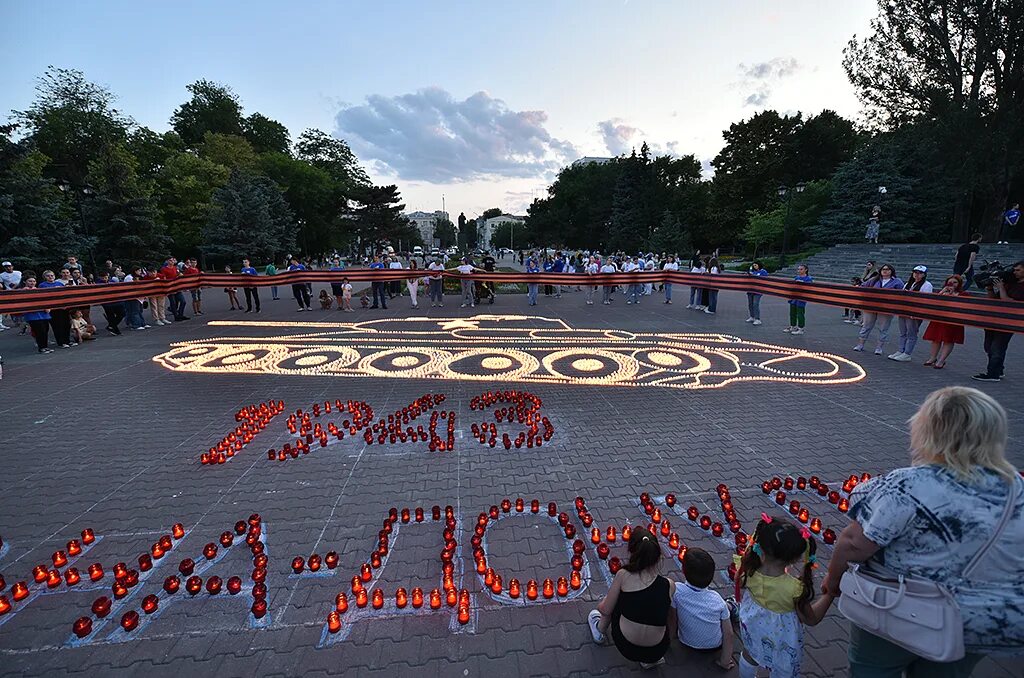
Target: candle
(234,585)
(130,621)
(804,515)
(401,598)
(60,559)
(602,551)
(333,622)
(552,509)
(829,536)
(717,529)
(534,506)
(692,513)
(844,505)
(463,615)
(259,608)
(87,536)
(452,597)
(794,507)
(40,573)
(627,532)
(705,522)
(563,586)
(194,585)
(666,528)
(298,564)
(213,585)
(435,599)
(82,627)
(54,579)
(226,539)
(71,576)
(314,563)
(150,604)
(365,572)
(531,589)
(513,588)
(5,605)
(145,562)
(577,562)
(496,585)
(210,551)
(549,589)
(178,531)
(673,541)
(788,483)
(417,598)
(614,564)
(95,572)
(74,547)
(362,598)
(815,525)
(670,500)
(780,498)
(331,559)
(656,515)
(101,607)
(520,505)
(595,536)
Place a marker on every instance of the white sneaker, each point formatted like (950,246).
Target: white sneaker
(797,330)
(756,322)
(902,358)
(787,330)
(689,306)
(592,621)
(894,356)
(749,320)
(709,311)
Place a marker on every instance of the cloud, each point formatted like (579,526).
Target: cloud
(431,136)
(617,135)
(758,78)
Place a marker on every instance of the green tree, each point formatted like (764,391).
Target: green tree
(266,135)
(35,226)
(764,228)
(670,236)
(185,187)
(234,152)
(491,213)
(960,66)
(152,151)
(122,215)
(334,156)
(630,229)
(444,230)
(70,121)
(213,108)
(251,219)
(378,218)
(315,198)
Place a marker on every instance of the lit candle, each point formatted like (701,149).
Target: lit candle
(298,564)
(829,536)
(595,536)
(627,532)
(417,598)
(333,622)
(130,621)
(314,563)
(74,547)
(666,528)
(549,589)
(692,513)
(60,559)
(259,608)
(54,579)
(95,572)
(101,607)
(780,498)
(670,500)
(362,598)
(435,599)
(213,585)
(531,589)
(82,627)
(804,515)
(341,603)
(844,505)
(210,551)
(464,615)
(563,586)
(705,522)
(71,576)
(602,551)
(815,525)
(150,604)
(673,541)
(234,585)
(5,605)
(717,529)
(401,598)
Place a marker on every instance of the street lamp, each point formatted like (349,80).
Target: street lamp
(785,194)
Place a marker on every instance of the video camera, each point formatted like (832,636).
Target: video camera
(990,271)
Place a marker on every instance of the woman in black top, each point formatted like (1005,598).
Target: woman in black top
(637,605)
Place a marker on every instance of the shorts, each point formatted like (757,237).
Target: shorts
(197,294)
(638,653)
(336,289)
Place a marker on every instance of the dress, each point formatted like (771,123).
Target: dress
(774,638)
(946,333)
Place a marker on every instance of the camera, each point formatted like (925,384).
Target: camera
(990,271)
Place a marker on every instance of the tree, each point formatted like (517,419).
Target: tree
(234,152)
(491,213)
(764,228)
(334,156)
(670,236)
(152,150)
(266,135)
(629,228)
(959,65)
(70,121)
(185,187)
(213,108)
(315,198)
(122,216)
(444,230)
(251,219)
(35,226)
(378,218)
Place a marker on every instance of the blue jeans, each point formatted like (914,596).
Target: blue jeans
(712,300)
(996,343)
(133,312)
(874,657)
(531,293)
(754,305)
(908,334)
(273,292)
(870,320)
(694,296)
(634,293)
(177,304)
(668,291)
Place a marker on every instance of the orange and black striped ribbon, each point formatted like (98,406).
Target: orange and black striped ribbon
(996,314)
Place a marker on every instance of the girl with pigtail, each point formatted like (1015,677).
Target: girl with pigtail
(774,606)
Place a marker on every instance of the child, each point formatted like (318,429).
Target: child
(774,606)
(232,293)
(81,330)
(346,295)
(325,301)
(798,307)
(364,300)
(702,617)
(852,315)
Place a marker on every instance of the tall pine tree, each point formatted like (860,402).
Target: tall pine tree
(251,219)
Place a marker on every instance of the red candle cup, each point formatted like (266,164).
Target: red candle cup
(150,604)
(82,627)
(259,608)
(171,584)
(194,585)
(602,551)
(210,551)
(333,622)
(531,589)
(101,607)
(627,532)
(435,599)
(705,522)
(780,498)
(378,599)
(692,513)
(549,589)
(717,529)
(71,576)
(213,585)
(130,621)
(87,536)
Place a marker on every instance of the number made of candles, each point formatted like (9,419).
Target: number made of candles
(512,406)
(251,420)
(341,616)
(185,582)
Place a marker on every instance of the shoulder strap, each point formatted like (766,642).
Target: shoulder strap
(1011,501)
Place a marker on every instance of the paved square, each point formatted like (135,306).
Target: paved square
(105,438)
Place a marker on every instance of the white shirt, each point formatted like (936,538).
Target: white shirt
(926,288)
(395,264)
(700,613)
(671,266)
(592,268)
(436,266)
(698,269)
(11,280)
(609,268)
(628,267)
(346,289)
(465,268)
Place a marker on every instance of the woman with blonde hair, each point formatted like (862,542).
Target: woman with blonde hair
(930,519)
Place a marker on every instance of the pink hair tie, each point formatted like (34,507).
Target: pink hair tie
(766,518)
(805,533)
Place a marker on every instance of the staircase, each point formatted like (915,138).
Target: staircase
(840,263)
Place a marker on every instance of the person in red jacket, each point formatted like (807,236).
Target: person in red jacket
(177,299)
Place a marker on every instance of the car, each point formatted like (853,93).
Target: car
(418,251)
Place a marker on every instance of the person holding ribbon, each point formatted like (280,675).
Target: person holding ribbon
(774,606)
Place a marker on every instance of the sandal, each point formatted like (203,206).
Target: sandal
(929,362)
(939,366)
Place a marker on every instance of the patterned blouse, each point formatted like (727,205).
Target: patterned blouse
(930,524)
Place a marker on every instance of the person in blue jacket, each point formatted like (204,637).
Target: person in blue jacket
(251,293)
(39,321)
(886,280)
(300,291)
(754,299)
(798,307)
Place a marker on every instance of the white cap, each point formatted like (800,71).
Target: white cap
(921,269)
(7,263)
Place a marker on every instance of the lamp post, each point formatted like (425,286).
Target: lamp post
(785,194)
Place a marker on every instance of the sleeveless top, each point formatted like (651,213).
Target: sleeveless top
(647,606)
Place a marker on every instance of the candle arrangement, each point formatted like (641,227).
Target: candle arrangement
(252,419)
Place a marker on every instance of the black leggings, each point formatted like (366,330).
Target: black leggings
(252,294)
(60,320)
(638,653)
(41,332)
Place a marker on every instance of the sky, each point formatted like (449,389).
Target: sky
(478,103)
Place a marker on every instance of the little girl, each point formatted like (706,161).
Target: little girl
(325,301)
(364,300)
(774,606)
(232,293)
(346,295)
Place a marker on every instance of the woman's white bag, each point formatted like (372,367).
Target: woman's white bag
(917,614)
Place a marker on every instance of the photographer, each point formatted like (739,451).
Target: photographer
(1006,286)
